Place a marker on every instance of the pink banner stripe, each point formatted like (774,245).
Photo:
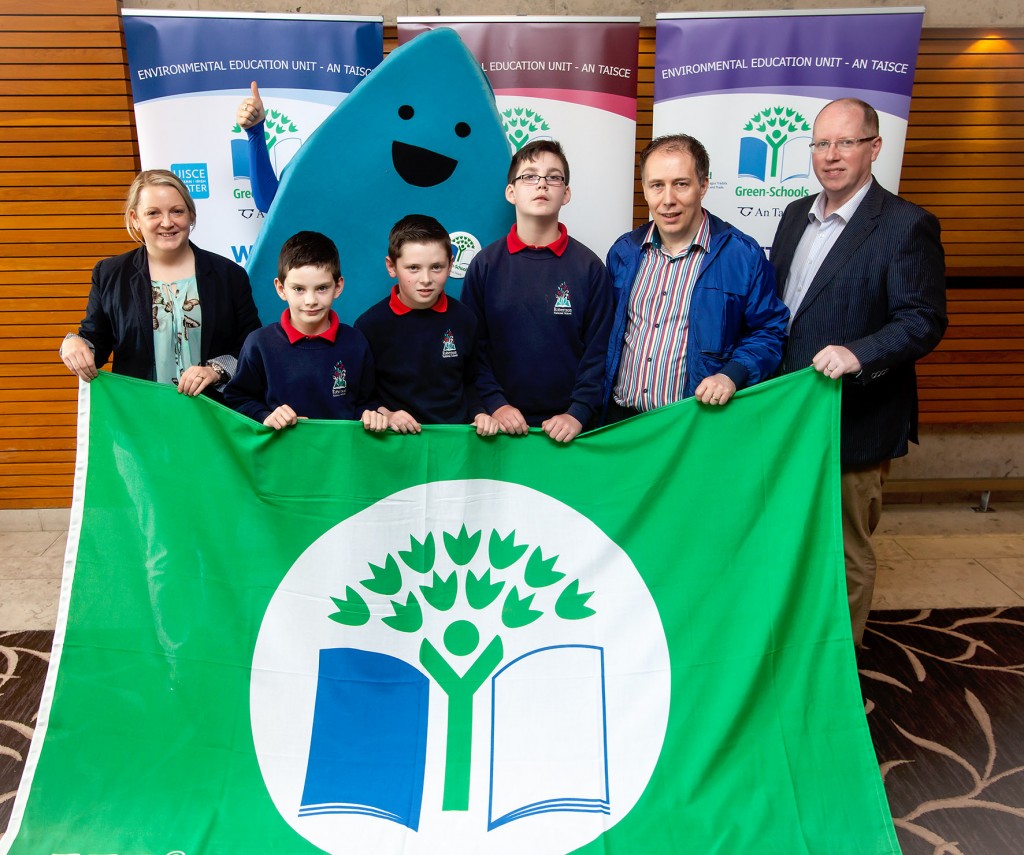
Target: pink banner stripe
(619,104)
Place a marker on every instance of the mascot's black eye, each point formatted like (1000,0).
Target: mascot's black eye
(462,129)
(405,112)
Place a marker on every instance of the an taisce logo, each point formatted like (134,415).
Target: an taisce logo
(464,667)
(775,148)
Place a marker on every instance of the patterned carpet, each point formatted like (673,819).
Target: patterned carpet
(943,689)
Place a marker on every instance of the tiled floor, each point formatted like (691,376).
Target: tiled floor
(931,556)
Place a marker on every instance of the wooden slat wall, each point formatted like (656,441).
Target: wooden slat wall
(976,375)
(68,153)
(964,159)
(965,162)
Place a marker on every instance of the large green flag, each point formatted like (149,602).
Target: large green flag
(324,640)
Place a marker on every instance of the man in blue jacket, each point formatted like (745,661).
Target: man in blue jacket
(696,310)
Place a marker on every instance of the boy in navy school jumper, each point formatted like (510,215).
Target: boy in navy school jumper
(545,307)
(423,341)
(308,366)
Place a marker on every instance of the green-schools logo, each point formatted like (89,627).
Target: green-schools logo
(465,246)
(464,667)
(522,124)
(775,145)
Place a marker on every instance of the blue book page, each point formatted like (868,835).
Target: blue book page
(367,752)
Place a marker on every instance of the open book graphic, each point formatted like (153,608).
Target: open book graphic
(549,747)
(755,158)
(367,752)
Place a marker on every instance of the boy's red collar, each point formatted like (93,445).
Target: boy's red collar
(330,334)
(557,247)
(399,308)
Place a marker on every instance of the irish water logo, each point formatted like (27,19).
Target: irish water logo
(458,669)
(195,176)
(776,148)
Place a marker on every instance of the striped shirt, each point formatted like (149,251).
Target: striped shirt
(653,368)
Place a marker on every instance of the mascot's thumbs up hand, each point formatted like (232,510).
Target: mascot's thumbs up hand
(250,111)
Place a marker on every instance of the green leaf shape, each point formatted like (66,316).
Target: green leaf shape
(387,580)
(441,593)
(420,556)
(352,611)
(503,551)
(463,547)
(480,592)
(571,604)
(407,618)
(516,611)
(538,570)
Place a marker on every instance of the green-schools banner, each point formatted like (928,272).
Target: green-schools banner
(322,640)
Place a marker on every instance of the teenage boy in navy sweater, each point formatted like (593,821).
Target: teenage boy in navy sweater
(545,307)
(423,341)
(308,366)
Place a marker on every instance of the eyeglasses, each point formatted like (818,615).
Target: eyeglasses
(821,146)
(532,179)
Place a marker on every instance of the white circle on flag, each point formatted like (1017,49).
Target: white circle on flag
(567,725)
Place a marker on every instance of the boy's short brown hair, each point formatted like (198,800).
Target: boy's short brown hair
(417,228)
(308,249)
(529,152)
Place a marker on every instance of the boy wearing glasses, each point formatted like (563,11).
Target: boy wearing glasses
(545,307)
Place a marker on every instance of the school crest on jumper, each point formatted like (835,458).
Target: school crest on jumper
(340,386)
(448,349)
(458,680)
(563,305)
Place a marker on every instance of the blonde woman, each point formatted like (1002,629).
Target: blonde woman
(167,311)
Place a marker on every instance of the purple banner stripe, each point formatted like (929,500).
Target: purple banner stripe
(869,53)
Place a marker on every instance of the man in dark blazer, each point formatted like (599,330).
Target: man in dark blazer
(862,272)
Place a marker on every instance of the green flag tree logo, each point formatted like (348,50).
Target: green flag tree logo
(513,676)
(462,643)
(776,126)
(522,124)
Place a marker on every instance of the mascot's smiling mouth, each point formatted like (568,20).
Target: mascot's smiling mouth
(421,167)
